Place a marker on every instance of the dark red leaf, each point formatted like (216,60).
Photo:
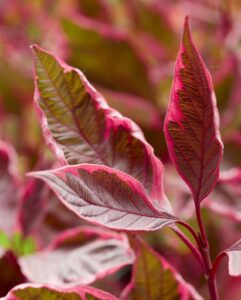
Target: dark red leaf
(191,124)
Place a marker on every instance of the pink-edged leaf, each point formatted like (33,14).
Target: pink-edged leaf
(154,278)
(81,128)
(8,188)
(77,257)
(234,259)
(191,124)
(46,292)
(105,196)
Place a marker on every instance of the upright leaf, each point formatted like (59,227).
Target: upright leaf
(81,128)
(191,124)
(105,196)
(77,257)
(44,292)
(154,279)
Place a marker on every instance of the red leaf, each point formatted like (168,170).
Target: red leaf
(191,124)
(105,196)
(78,256)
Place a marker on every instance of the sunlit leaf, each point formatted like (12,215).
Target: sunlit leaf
(105,196)
(191,124)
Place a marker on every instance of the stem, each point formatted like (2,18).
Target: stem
(189,244)
(191,230)
(204,249)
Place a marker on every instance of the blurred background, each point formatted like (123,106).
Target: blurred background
(127,50)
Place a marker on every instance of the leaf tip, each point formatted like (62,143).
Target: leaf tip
(186,31)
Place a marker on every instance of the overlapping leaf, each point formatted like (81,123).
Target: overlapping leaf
(108,58)
(81,128)
(77,257)
(191,124)
(154,279)
(105,196)
(44,292)
(8,188)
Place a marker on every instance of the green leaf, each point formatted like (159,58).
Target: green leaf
(154,278)
(108,58)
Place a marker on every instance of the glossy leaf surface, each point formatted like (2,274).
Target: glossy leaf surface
(36,291)
(191,124)
(81,128)
(154,279)
(77,257)
(105,196)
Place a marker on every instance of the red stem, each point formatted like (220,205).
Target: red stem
(204,249)
(189,244)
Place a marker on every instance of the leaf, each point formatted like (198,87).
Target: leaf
(108,57)
(154,279)
(32,206)
(10,273)
(37,291)
(191,124)
(8,188)
(225,199)
(81,128)
(77,257)
(105,196)
(234,256)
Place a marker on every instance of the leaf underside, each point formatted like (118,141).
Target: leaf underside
(105,196)
(191,124)
(234,257)
(81,128)
(70,261)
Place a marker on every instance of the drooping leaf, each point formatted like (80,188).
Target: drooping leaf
(102,46)
(105,196)
(44,292)
(81,128)
(8,188)
(154,279)
(77,257)
(191,124)
(234,259)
